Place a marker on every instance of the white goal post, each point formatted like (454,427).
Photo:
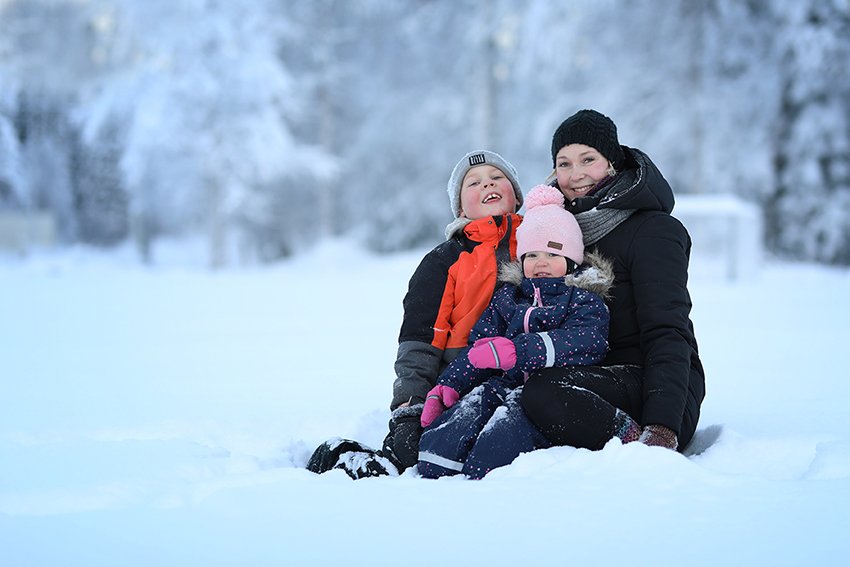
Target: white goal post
(726,231)
(21,232)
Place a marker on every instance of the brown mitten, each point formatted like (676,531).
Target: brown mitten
(659,436)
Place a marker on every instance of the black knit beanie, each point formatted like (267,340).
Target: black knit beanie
(592,129)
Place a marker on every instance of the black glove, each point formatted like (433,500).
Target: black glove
(401,446)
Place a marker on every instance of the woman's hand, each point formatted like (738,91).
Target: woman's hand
(659,436)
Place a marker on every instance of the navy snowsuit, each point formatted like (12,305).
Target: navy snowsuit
(553,322)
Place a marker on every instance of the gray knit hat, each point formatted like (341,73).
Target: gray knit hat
(474,159)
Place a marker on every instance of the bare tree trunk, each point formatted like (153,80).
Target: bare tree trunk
(217,225)
(485,92)
(326,139)
(696,14)
(140,231)
(327,126)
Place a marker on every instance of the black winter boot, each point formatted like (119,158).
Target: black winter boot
(356,459)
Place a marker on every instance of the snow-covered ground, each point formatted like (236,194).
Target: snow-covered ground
(162,416)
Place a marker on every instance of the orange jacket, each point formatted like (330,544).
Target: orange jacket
(447,294)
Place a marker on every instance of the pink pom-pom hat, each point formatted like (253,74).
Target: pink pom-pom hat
(548,227)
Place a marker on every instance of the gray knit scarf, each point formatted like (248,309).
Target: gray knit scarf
(596,223)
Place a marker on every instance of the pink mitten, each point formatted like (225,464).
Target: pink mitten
(493,352)
(438,399)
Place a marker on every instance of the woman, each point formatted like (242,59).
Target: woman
(652,371)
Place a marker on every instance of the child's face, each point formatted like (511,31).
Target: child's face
(579,168)
(486,192)
(541,264)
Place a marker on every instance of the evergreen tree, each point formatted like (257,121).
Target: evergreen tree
(808,217)
(268,125)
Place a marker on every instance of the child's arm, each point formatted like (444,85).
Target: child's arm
(491,323)
(457,380)
(580,339)
(424,329)
(461,374)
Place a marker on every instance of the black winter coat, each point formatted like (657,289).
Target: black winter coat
(649,301)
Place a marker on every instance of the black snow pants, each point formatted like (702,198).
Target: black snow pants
(576,405)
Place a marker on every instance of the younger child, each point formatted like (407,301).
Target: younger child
(446,295)
(551,314)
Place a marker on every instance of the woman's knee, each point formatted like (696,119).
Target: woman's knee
(688,428)
(540,390)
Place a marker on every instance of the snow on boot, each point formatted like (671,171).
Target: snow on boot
(326,455)
(356,459)
(364,464)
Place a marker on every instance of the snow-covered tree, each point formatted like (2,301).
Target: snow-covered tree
(48,147)
(40,51)
(809,214)
(268,125)
(10,160)
(740,79)
(418,101)
(202,99)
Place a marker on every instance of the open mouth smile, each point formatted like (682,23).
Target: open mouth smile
(582,190)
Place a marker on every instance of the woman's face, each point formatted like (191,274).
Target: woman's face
(579,168)
(485,192)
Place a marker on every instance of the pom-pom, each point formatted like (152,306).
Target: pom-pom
(543,195)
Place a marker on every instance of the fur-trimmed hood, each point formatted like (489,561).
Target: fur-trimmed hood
(596,274)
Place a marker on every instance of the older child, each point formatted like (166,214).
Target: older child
(446,295)
(551,314)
